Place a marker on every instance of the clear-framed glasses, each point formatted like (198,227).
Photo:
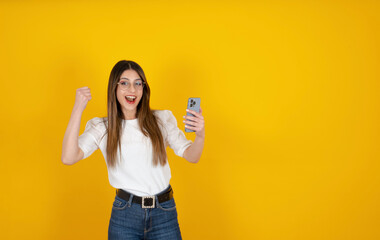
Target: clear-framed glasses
(138,85)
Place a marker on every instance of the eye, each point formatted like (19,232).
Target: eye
(138,83)
(124,83)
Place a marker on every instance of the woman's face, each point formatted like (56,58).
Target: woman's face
(129,92)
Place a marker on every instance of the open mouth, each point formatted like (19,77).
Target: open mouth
(131,99)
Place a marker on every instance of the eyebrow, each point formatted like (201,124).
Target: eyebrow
(129,79)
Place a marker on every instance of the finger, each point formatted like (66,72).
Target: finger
(85,91)
(193,120)
(188,117)
(196,129)
(84,88)
(194,113)
(190,127)
(200,110)
(199,124)
(196,126)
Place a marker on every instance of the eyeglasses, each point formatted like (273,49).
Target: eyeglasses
(124,85)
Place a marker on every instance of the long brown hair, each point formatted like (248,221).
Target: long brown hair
(148,122)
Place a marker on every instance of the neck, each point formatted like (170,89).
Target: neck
(129,115)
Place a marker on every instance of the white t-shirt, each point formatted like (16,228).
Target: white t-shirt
(135,172)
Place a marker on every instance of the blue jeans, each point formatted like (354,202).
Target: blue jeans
(130,221)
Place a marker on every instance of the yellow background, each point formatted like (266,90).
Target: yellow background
(290,94)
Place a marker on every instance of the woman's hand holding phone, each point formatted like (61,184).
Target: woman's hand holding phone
(197,122)
(194,123)
(83,95)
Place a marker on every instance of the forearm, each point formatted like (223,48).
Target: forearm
(194,152)
(70,149)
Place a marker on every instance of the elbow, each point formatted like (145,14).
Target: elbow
(192,160)
(68,160)
(196,161)
(65,161)
(71,159)
(190,157)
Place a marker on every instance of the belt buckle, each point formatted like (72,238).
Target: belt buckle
(148,204)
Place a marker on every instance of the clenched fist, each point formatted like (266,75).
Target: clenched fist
(83,95)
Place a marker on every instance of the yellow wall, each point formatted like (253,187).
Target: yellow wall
(290,93)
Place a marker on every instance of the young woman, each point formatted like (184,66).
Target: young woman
(133,140)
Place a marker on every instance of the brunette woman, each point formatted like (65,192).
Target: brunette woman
(133,139)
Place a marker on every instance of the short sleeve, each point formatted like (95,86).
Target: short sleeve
(175,137)
(88,141)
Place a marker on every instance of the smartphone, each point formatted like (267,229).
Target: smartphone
(192,104)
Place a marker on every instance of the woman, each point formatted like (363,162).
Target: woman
(133,140)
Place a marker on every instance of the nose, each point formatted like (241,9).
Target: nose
(132,88)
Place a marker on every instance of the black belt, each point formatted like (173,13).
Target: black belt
(146,201)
